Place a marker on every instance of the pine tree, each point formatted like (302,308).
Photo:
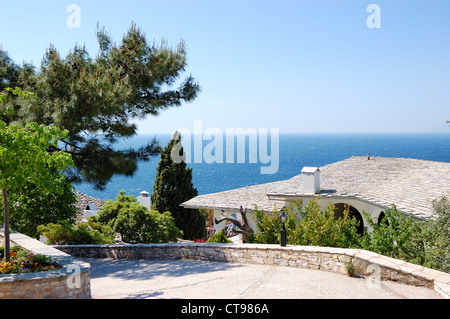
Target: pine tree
(173,186)
(98,98)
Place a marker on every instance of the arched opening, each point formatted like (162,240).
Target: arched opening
(339,210)
(381,218)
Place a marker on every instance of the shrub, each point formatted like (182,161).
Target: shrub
(425,243)
(219,238)
(269,227)
(22,261)
(143,226)
(436,237)
(65,233)
(311,226)
(395,236)
(320,227)
(135,223)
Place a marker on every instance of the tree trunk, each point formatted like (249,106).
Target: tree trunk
(6,225)
(244,228)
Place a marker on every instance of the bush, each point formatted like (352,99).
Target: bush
(219,238)
(320,227)
(22,261)
(65,233)
(395,236)
(143,226)
(135,223)
(316,226)
(425,243)
(269,227)
(436,236)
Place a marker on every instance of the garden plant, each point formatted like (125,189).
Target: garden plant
(23,261)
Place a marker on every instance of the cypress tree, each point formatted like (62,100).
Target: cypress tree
(173,186)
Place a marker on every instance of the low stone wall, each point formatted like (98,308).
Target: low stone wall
(72,281)
(358,262)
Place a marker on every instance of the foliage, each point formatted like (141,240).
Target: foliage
(320,227)
(173,186)
(135,223)
(308,226)
(269,227)
(425,243)
(23,261)
(83,233)
(219,238)
(33,206)
(98,99)
(436,237)
(24,156)
(395,236)
(27,155)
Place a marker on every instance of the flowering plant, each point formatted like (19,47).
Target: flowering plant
(23,261)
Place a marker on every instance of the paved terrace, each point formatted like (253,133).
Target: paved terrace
(410,184)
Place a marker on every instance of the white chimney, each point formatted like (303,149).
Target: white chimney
(144,200)
(311,180)
(144,193)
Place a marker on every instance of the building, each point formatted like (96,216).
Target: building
(87,206)
(371,184)
(144,199)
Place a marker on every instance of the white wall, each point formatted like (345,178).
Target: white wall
(218,213)
(373,211)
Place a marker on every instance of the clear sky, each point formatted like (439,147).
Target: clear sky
(300,66)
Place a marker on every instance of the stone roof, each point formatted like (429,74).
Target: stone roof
(410,184)
(84,201)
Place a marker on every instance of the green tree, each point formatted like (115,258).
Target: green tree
(25,157)
(135,223)
(97,99)
(173,186)
(34,206)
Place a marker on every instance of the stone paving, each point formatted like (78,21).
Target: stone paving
(365,264)
(189,279)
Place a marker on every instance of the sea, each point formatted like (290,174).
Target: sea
(213,171)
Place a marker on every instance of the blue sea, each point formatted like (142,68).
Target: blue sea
(294,152)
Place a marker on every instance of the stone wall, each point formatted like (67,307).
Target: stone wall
(359,263)
(72,281)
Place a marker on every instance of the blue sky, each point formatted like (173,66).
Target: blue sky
(300,66)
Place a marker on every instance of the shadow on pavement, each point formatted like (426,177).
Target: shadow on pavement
(136,269)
